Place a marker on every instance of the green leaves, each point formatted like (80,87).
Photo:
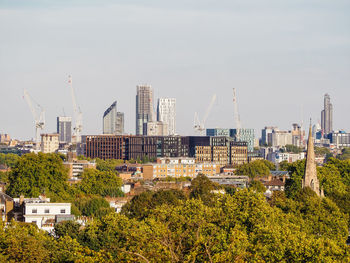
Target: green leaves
(36,174)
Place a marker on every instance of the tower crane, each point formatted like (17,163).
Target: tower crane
(78,115)
(236,115)
(200,126)
(39,118)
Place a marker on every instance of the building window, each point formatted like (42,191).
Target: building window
(47,211)
(34,211)
(63,211)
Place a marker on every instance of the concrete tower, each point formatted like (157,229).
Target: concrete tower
(310,177)
(327,115)
(144,108)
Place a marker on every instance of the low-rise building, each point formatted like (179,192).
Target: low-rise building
(49,142)
(6,207)
(45,214)
(162,170)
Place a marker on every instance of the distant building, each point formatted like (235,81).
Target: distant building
(5,138)
(119,123)
(76,167)
(166,113)
(243,135)
(179,169)
(144,108)
(298,135)
(280,138)
(327,115)
(265,135)
(339,138)
(156,128)
(113,121)
(49,142)
(64,129)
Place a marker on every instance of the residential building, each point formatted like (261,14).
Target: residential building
(327,115)
(49,142)
(166,113)
(113,121)
(6,207)
(76,167)
(45,215)
(173,169)
(144,108)
(339,138)
(156,128)
(64,129)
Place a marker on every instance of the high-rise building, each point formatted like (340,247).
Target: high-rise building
(64,129)
(113,121)
(327,115)
(144,108)
(166,113)
(49,142)
(265,135)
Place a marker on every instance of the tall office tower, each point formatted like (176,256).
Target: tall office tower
(144,108)
(113,121)
(166,113)
(327,115)
(64,129)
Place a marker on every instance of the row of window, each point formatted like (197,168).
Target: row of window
(47,211)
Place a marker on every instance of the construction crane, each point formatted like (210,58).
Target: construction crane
(78,115)
(200,125)
(236,115)
(39,117)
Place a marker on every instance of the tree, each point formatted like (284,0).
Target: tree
(141,205)
(10,159)
(202,188)
(67,228)
(93,206)
(255,169)
(103,183)
(294,183)
(36,174)
(257,186)
(345,155)
(108,165)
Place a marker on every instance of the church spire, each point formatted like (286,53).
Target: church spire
(310,177)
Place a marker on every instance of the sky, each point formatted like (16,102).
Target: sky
(281,56)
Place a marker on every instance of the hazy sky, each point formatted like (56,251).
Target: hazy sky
(281,56)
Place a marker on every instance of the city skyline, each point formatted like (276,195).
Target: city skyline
(281,59)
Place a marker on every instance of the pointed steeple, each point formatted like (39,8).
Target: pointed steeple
(310,177)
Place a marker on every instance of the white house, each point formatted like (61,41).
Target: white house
(45,214)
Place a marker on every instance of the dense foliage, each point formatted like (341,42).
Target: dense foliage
(242,227)
(36,174)
(256,168)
